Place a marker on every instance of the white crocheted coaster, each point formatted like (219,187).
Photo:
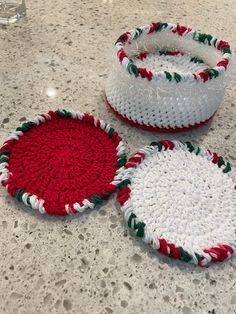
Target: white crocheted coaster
(168,77)
(180,199)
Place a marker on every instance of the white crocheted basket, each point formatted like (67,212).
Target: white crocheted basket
(181,200)
(168,77)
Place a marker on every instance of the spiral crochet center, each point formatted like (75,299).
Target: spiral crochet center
(63,161)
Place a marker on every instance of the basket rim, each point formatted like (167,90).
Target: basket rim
(36,202)
(222,46)
(215,254)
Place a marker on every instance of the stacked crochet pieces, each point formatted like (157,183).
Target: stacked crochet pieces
(180,199)
(62,162)
(168,77)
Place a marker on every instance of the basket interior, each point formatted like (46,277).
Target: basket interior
(165,51)
(163,60)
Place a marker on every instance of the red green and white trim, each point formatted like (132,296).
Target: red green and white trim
(167,174)
(22,194)
(129,37)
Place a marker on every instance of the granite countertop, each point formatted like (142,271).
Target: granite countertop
(59,58)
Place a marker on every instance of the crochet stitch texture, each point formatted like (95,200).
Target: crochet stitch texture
(180,199)
(62,162)
(168,77)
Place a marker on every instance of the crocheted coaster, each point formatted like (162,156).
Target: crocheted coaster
(62,162)
(181,200)
(167,77)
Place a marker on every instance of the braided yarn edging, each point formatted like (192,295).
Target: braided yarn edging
(181,31)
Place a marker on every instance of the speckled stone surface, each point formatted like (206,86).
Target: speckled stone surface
(60,57)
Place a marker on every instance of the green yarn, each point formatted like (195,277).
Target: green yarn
(123,184)
(177,77)
(198,257)
(3,158)
(226,50)
(26,126)
(227,168)
(168,75)
(214,42)
(19,194)
(198,150)
(110,132)
(28,200)
(122,160)
(202,37)
(121,39)
(132,69)
(190,146)
(60,113)
(209,39)
(138,33)
(158,144)
(161,26)
(140,229)
(64,114)
(196,60)
(186,257)
(162,52)
(220,162)
(4,152)
(212,73)
(131,217)
(96,199)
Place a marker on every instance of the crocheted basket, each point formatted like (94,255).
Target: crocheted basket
(168,77)
(181,200)
(62,162)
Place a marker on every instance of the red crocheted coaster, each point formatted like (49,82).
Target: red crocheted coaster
(62,162)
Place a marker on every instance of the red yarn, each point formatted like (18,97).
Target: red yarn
(221,252)
(153,28)
(167,144)
(63,161)
(175,252)
(163,247)
(223,44)
(223,63)
(215,158)
(121,54)
(142,56)
(175,53)
(180,30)
(123,195)
(155,129)
(144,73)
(204,76)
(124,37)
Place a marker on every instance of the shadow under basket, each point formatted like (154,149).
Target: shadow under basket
(168,77)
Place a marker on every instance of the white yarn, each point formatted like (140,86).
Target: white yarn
(185,199)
